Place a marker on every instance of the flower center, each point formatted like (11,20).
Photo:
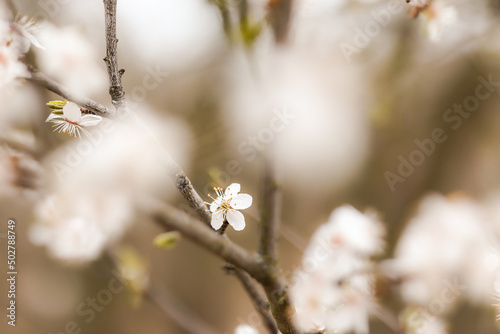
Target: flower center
(68,121)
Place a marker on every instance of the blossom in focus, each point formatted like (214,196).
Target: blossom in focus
(334,288)
(71,121)
(245,329)
(225,207)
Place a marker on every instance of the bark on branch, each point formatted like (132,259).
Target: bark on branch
(259,300)
(111,59)
(270,216)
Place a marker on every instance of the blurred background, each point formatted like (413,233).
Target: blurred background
(372,103)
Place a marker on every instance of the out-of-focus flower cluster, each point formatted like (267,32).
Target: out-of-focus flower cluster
(449,251)
(15,41)
(334,290)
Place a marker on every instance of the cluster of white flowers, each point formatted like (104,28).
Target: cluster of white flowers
(71,59)
(334,289)
(449,251)
(78,226)
(15,40)
(245,329)
(96,185)
(437,16)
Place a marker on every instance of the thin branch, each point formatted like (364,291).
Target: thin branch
(270,216)
(111,59)
(277,292)
(259,300)
(44,81)
(184,185)
(178,312)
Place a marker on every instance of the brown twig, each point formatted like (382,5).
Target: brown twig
(259,300)
(111,59)
(44,81)
(270,216)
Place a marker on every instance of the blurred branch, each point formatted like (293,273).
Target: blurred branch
(224,13)
(269,216)
(178,312)
(279,17)
(167,303)
(111,59)
(259,300)
(44,81)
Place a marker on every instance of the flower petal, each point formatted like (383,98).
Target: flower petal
(54,116)
(232,190)
(236,219)
(214,206)
(217,219)
(241,201)
(72,112)
(90,120)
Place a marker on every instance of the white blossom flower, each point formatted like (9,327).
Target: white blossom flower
(334,290)
(10,66)
(71,59)
(245,329)
(78,227)
(225,207)
(24,27)
(437,15)
(72,121)
(447,241)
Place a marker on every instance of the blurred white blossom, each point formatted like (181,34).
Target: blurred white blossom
(438,15)
(334,289)
(71,59)
(245,329)
(445,246)
(310,120)
(96,181)
(77,225)
(11,68)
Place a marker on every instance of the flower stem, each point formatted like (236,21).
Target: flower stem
(223,227)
